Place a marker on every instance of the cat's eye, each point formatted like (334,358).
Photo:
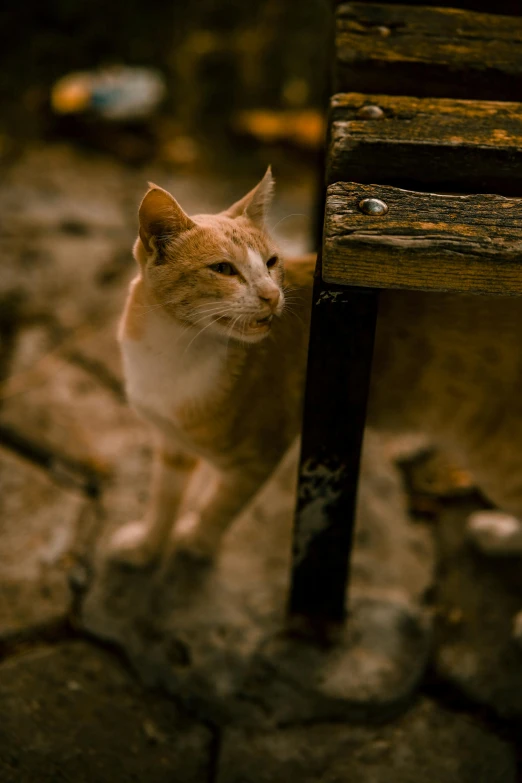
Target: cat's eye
(271,262)
(224,268)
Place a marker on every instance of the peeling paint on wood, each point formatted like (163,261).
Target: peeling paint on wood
(337,383)
(320,487)
(330,296)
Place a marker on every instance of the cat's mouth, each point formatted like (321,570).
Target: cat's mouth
(266,321)
(254,329)
(258,325)
(255,323)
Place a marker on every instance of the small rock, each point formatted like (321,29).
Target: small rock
(478,656)
(495,532)
(38,517)
(153,733)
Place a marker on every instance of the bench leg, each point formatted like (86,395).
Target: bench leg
(337,384)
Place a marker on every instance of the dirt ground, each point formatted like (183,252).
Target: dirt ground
(78,701)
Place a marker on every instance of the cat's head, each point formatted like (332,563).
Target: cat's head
(220,272)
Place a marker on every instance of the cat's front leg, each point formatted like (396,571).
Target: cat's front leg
(199,533)
(140,543)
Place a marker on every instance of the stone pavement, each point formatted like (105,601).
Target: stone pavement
(108,675)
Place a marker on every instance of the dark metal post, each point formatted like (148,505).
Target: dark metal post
(337,385)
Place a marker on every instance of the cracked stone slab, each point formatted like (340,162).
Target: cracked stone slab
(49,399)
(65,223)
(72,712)
(478,597)
(69,278)
(38,525)
(428,745)
(211,636)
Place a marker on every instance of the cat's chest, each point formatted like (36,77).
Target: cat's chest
(164,373)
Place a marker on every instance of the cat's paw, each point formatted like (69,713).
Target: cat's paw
(131,546)
(190,541)
(495,532)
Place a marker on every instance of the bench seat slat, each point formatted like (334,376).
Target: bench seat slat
(426,51)
(486,6)
(468,244)
(471,146)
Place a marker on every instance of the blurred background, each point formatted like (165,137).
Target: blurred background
(215,86)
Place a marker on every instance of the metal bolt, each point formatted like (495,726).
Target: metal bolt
(373,206)
(370,112)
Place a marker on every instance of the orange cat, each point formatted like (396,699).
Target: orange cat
(198,365)
(215,361)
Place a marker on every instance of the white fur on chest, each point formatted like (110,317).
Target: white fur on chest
(170,367)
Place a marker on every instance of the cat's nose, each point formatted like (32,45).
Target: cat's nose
(271,296)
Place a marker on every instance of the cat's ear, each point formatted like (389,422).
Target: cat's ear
(255,204)
(161,218)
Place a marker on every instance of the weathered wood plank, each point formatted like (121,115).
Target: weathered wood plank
(468,146)
(513,7)
(425,51)
(333,423)
(425,241)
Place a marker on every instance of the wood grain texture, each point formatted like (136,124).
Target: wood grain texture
(513,7)
(425,51)
(430,242)
(466,146)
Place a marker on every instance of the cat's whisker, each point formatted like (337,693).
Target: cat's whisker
(224,314)
(204,318)
(206,314)
(209,310)
(200,333)
(293,295)
(167,302)
(288,309)
(287,217)
(229,335)
(232,327)
(210,315)
(192,324)
(157,306)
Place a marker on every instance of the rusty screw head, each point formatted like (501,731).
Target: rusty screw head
(373,206)
(370,112)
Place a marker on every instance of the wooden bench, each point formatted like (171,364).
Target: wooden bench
(425,51)
(431,107)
